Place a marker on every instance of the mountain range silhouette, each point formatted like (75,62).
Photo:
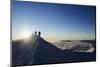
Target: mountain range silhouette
(37,51)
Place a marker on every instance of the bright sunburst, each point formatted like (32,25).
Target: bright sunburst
(26,34)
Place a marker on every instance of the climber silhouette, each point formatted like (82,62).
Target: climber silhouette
(35,33)
(39,33)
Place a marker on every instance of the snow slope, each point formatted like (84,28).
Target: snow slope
(36,51)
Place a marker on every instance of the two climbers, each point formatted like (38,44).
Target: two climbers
(39,33)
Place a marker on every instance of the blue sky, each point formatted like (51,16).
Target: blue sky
(55,21)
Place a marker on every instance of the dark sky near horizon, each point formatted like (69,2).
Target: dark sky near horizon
(55,21)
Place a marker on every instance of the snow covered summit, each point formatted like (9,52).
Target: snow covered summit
(36,51)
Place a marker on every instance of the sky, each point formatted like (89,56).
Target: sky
(55,21)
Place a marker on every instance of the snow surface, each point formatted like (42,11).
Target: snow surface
(36,51)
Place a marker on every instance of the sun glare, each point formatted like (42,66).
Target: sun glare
(26,34)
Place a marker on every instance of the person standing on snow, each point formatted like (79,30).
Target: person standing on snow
(39,33)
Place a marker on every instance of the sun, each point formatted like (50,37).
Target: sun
(26,34)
